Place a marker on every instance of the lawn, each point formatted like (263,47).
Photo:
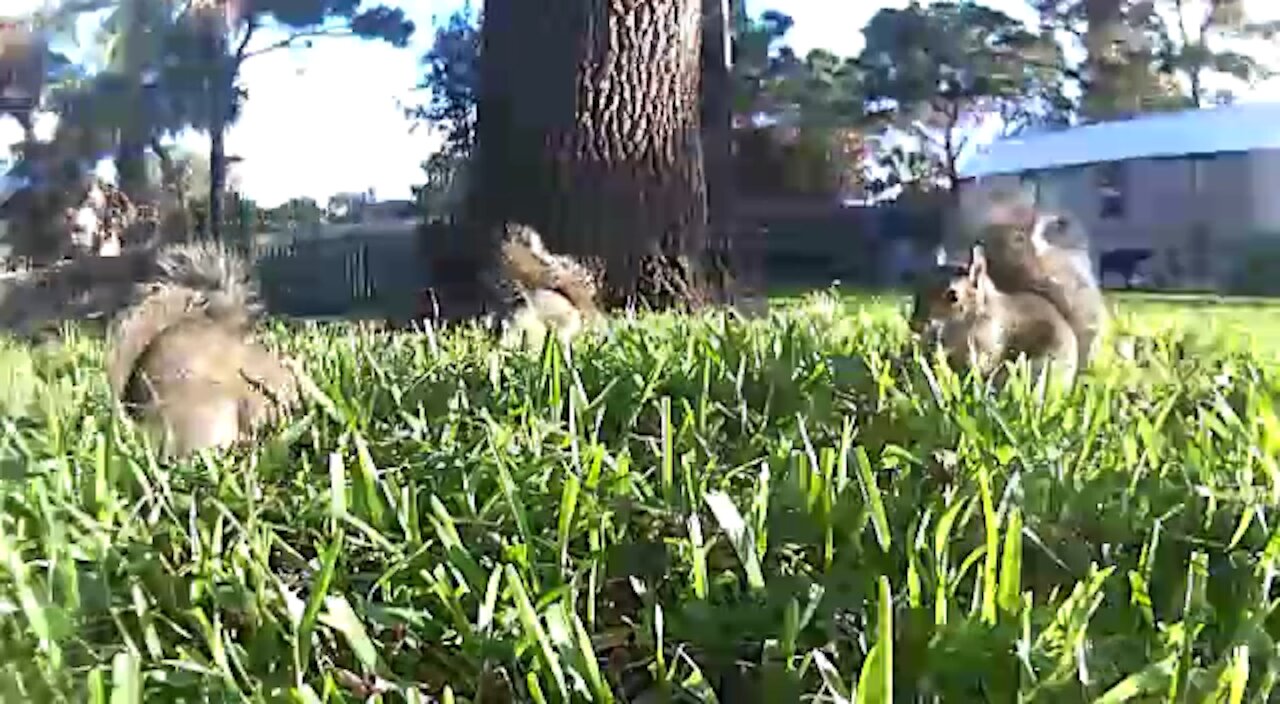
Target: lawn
(796,508)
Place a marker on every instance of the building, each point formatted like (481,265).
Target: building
(1182,185)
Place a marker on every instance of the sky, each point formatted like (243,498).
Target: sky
(327,119)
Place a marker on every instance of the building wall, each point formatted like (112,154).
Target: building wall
(1266,191)
(1184,208)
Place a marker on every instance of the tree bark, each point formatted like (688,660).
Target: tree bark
(589,130)
(131,168)
(217,176)
(727,262)
(222,70)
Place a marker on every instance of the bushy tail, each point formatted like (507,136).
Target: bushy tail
(191,281)
(527,264)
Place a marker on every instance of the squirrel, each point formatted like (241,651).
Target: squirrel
(180,356)
(982,327)
(1045,253)
(551,291)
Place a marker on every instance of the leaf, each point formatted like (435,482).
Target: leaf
(126,679)
(875,683)
(533,626)
(1151,679)
(319,590)
(739,534)
(875,503)
(1010,596)
(339,616)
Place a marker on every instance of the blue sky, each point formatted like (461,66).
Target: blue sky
(327,119)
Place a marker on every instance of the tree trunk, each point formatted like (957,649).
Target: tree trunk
(589,130)
(1197,86)
(175,220)
(222,70)
(131,169)
(217,176)
(731,268)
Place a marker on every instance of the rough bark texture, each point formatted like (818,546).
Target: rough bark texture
(589,130)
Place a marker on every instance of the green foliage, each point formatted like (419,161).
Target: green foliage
(452,80)
(819,91)
(1256,267)
(934,69)
(764,510)
(1137,53)
(297,214)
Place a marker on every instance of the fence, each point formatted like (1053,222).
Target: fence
(379,270)
(376,272)
(813,242)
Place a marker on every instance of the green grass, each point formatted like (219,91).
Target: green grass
(1239,322)
(797,508)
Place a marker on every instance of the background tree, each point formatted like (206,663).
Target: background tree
(1126,69)
(126,96)
(23,53)
(1206,37)
(298,215)
(347,207)
(589,130)
(936,71)
(184,179)
(29,63)
(223,30)
(799,122)
(761,61)
(452,81)
(443,196)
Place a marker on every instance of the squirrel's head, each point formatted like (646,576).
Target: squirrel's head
(952,292)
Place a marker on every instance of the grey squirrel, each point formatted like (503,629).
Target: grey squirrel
(181,358)
(1032,250)
(543,291)
(978,325)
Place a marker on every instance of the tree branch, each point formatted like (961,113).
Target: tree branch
(288,41)
(244,42)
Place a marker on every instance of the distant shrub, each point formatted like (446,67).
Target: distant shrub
(1254,266)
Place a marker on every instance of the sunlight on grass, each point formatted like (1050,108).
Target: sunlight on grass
(709,508)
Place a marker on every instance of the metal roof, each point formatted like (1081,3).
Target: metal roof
(1235,128)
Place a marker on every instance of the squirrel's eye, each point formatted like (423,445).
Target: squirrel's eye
(951,296)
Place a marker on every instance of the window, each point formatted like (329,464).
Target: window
(1111,189)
